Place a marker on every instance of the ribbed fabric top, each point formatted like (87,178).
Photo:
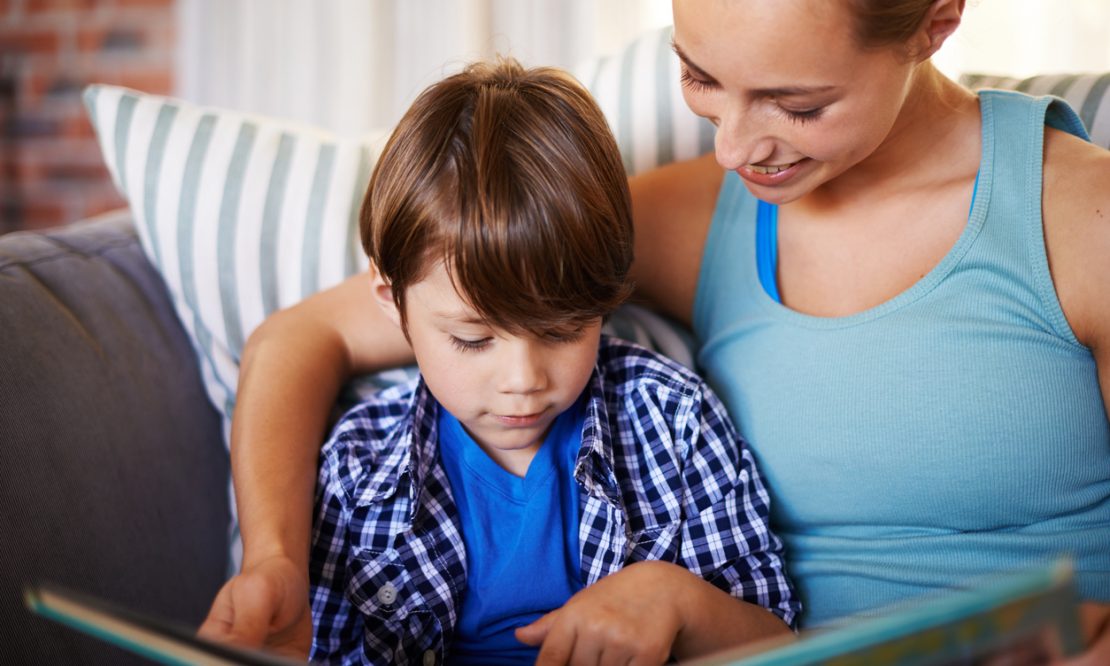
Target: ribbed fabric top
(950,432)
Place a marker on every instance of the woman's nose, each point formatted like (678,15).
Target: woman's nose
(739,140)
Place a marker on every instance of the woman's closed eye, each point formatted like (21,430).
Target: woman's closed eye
(695,84)
(801,116)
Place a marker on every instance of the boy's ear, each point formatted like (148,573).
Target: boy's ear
(940,22)
(383,296)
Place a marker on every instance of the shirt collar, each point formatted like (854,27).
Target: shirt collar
(593,468)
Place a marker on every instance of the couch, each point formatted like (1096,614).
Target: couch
(121,334)
(114,468)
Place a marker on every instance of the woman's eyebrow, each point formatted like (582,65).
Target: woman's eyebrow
(778,91)
(701,73)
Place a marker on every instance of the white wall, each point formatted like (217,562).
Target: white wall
(353,65)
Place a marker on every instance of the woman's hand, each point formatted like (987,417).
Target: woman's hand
(1095,619)
(264,606)
(643,614)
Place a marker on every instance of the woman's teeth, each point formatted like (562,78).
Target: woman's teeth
(769,169)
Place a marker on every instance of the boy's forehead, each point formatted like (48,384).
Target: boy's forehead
(438,292)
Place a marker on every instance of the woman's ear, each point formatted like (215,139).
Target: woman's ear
(940,22)
(383,296)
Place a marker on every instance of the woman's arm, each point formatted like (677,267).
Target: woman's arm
(1076,208)
(292,369)
(672,207)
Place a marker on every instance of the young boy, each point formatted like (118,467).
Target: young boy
(466,516)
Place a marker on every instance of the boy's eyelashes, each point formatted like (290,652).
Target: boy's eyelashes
(553,337)
(465,345)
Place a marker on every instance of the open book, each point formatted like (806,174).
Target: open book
(1022,619)
(155,639)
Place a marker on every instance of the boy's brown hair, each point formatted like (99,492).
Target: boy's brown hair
(512,178)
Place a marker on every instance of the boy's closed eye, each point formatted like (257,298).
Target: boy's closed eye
(464,344)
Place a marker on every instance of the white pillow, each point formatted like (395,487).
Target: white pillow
(638,89)
(241,214)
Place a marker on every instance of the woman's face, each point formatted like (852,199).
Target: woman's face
(795,100)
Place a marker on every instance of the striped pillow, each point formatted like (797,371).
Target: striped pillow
(638,90)
(1088,94)
(241,215)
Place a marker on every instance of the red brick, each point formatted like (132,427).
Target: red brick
(167,4)
(23,40)
(101,201)
(155,81)
(43,214)
(60,6)
(50,82)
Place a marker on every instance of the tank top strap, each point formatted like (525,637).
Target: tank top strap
(1013,163)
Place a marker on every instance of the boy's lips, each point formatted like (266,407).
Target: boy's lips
(519,420)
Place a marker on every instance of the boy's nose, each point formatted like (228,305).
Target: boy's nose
(524,370)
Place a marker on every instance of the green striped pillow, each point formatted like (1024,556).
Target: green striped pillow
(638,90)
(1088,94)
(242,215)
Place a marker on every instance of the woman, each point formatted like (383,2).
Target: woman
(916,358)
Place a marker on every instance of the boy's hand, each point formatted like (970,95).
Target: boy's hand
(266,605)
(630,617)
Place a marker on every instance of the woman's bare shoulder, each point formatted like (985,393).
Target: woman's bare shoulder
(1076,208)
(672,207)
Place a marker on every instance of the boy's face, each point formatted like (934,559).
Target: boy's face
(506,390)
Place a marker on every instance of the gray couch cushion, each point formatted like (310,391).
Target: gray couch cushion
(114,473)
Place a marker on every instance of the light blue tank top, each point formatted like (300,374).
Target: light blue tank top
(950,432)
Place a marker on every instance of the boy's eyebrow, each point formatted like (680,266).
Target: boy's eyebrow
(461,316)
(780,91)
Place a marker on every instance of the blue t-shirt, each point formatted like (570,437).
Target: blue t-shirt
(521,536)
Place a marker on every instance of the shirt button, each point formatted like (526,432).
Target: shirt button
(429,658)
(387,594)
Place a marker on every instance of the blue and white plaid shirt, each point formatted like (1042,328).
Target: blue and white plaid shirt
(662,474)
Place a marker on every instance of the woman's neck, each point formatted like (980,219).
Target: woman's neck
(933,138)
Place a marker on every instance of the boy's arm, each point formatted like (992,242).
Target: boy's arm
(729,587)
(647,613)
(337,626)
(727,537)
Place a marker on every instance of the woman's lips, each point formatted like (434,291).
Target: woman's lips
(770,174)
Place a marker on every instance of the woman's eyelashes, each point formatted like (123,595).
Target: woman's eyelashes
(695,84)
(803,116)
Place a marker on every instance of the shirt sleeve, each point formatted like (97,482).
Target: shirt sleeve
(337,627)
(727,537)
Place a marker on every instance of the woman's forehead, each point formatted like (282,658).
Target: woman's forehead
(778,40)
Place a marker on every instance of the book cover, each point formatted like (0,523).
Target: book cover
(1022,619)
(155,639)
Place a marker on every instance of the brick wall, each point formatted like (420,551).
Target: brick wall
(50,166)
